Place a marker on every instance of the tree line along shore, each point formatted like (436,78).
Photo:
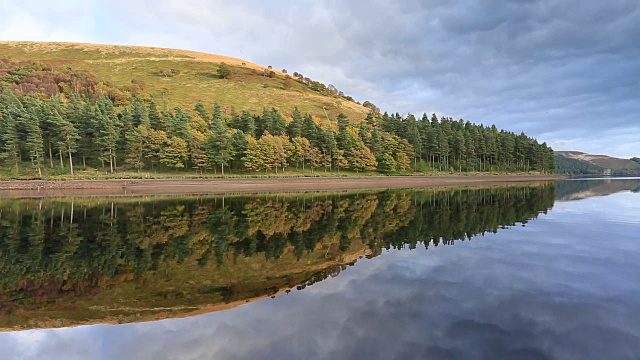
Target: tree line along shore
(61,135)
(66,134)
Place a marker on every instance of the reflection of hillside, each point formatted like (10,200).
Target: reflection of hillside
(582,189)
(75,263)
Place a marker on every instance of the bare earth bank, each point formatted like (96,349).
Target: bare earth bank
(248,185)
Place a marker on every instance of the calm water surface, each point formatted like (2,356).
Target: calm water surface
(533,272)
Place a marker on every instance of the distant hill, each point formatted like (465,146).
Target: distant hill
(576,162)
(181,77)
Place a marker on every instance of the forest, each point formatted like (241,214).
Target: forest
(569,166)
(156,244)
(59,121)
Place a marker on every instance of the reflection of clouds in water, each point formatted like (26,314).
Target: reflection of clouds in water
(548,290)
(616,208)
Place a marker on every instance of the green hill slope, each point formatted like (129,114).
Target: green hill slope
(576,162)
(181,78)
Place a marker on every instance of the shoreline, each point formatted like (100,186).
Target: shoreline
(47,188)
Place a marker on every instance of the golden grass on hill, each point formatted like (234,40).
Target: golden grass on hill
(194,77)
(604,161)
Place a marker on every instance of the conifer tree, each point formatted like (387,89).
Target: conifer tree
(33,143)
(219,145)
(180,124)
(310,130)
(140,113)
(155,119)
(108,127)
(239,143)
(294,129)
(10,145)
(248,124)
(202,111)
(135,148)
(68,137)
(342,138)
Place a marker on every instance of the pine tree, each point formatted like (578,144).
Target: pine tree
(278,125)
(10,145)
(413,135)
(108,127)
(342,138)
(140,113)
(68,137)
(310,130)
(217,114)
(80,114)
(294,129)
(135,148)
(248,124)
(219,145)
(376,144)
(33,143)
(156,140)
(239,144)
(155,119)
(180,124)
(202,111)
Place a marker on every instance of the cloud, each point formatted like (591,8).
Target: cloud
(45,21)
(565,68)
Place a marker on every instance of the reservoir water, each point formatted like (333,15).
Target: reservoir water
(541,271)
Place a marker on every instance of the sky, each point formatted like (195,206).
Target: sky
(564,71)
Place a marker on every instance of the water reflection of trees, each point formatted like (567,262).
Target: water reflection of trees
(53,247)
(74,242)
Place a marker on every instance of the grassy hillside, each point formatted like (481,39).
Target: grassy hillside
(583,163)
(181,78)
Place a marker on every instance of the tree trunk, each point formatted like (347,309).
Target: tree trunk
(50,155)
(111,160)
(70,161)
(61,161)
(222,167)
